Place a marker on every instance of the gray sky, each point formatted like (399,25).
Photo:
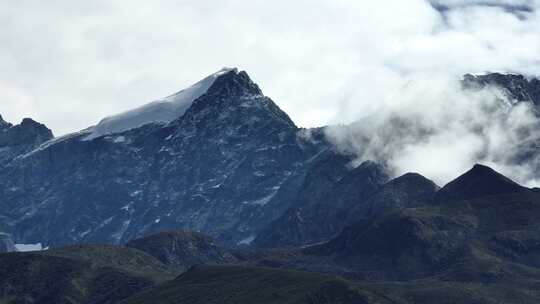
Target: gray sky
(70,63)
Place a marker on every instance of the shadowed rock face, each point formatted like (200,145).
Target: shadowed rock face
(28,132)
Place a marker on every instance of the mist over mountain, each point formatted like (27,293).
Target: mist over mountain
(440,126)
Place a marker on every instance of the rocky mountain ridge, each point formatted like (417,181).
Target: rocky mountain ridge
(232,165)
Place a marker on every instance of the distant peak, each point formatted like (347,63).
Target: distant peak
(162,110)
(29,121)
(28,132)
(414,178)
(479,181)
(231,82)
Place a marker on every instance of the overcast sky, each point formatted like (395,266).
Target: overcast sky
(70,63)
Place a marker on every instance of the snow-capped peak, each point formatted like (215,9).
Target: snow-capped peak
(163,110)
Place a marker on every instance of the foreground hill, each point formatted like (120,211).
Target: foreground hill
(77,275)
(239,284)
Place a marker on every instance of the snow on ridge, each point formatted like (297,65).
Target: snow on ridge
(160,111)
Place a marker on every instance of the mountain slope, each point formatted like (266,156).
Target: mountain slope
(78,275)
(239,284)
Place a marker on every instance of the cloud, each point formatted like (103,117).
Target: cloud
(73,63)
(436,128)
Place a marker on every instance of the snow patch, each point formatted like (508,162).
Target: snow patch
(28,247)
(247,241)
(159,111)
(119,139)
(85,233)
(120,233)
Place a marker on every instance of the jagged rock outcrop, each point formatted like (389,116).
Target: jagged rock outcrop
(22,138)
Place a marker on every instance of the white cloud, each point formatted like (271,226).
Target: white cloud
(439,130)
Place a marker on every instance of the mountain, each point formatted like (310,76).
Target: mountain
(227,166)
(182,249)
(218,157)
